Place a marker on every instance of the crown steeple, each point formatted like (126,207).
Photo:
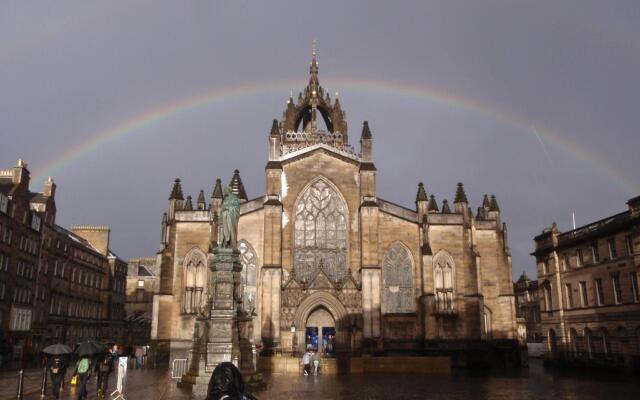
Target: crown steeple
(313,119)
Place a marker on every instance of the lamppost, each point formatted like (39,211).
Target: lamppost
(294,340)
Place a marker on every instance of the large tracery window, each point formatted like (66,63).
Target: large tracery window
(397,277)
(195,276)
(249,275)
(320,233)
(443,279)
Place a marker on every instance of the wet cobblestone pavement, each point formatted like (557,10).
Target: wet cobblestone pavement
(534,383)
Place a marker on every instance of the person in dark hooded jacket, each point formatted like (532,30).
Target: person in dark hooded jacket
(226,383)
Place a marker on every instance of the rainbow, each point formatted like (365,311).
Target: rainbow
(157,115)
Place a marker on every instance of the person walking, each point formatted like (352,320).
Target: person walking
(139,353)
(306,362)
(103,369)
(83,370)
(57,371)
(315,359)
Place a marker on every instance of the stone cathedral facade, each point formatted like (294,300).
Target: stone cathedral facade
(323,254)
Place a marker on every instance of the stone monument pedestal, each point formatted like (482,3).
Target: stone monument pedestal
(216,338)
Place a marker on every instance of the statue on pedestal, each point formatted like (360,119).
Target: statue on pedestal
(229,217)
(225,330)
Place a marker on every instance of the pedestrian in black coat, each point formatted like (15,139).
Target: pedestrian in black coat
(57,370)
(226,383)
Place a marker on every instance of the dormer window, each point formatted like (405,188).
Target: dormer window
(4,203)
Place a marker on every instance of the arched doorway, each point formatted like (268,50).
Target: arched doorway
(305,316)
(320,331)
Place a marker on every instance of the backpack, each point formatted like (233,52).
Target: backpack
(56,366)
(83,366)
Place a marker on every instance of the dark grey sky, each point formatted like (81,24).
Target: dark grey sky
(69,70)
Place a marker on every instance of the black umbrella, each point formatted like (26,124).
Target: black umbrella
(57,349)
(89,348)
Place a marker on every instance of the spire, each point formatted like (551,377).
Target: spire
(433,206)
(481,213)
(202,204)
(523,278)
(313,89)
(217,190)
(313,69)
(336,104)
(237,187)
(275,131)
(176,192)
(188,205)
(485,201)
(366,132)
(461,196)
(422,194)
(445,207)
(494,204)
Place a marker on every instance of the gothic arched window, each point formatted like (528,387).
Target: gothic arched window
(195,278)
(397,278)
(320,233)
(249,262)
(443,282)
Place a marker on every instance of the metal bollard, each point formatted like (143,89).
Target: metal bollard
(44,382)
(20,385)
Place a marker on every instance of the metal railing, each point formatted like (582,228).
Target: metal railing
(178,368)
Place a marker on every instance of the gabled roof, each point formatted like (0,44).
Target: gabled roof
(144,271)
(75,238)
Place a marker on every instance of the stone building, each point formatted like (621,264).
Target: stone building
(326,260)
(528,307)
(589,295)
(55,285)
(21,304)
(143,282)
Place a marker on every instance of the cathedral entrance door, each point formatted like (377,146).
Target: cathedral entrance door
(320,330)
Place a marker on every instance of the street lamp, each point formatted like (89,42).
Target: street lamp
(294,340)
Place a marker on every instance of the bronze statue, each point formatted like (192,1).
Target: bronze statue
(229,216)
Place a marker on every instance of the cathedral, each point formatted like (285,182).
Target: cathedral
(328,263)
